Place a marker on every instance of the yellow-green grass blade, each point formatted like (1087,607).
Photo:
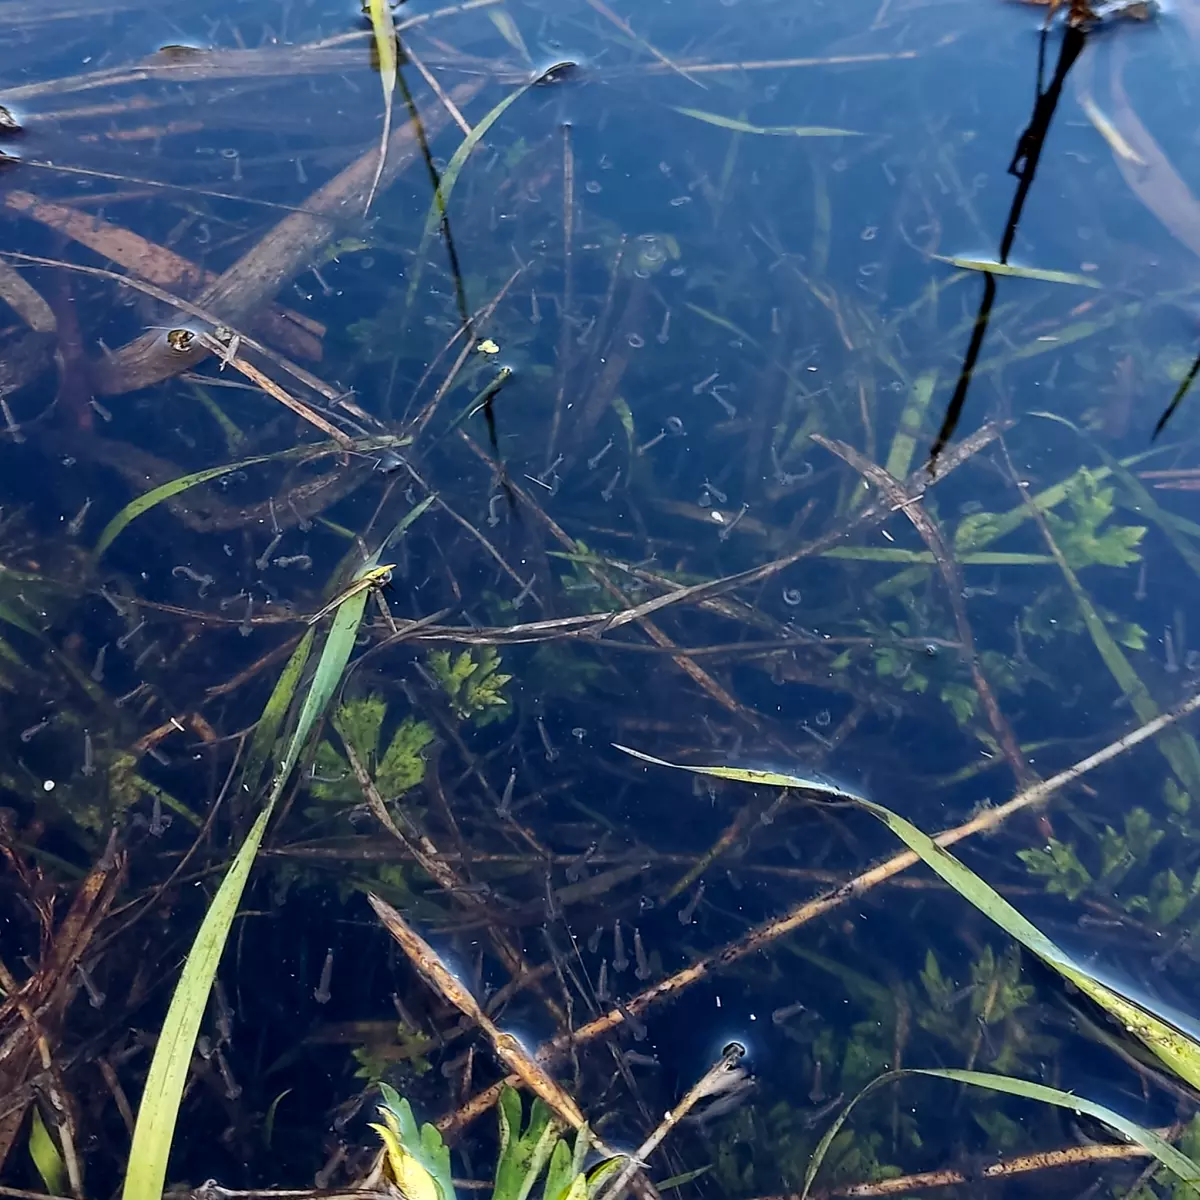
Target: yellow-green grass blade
(1170,1045)
(383,30)
(159,1107)
(278,703)
(996,268)
(1178,1163)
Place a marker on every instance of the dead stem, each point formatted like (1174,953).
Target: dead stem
(506,1047)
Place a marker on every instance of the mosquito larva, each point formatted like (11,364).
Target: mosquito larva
(688,911)
(665,332)
(607,494)
(602,992)
(89,758)
(264,559)
(302,562)
(642,970)
(94,994)
(620,959)
(493,517)
(126,638)
(505,806)
(321,991)
(729,528)
(145,654)
(186,572)
(246,628)
(27,735)
(98,668)
(598,457)
(547,745)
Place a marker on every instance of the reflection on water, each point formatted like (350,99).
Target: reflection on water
(679,317)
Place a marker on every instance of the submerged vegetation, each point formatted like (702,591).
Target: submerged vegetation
(405,413)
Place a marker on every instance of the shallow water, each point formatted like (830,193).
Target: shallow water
(715,253)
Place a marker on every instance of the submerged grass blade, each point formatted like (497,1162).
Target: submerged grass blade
(904,443)
(166,491)
(383,30)
(159,1107)
(278,703)
(147,500)
(723,122)
(441,195)
(997,268)
(1178,1163)
(1170,1045)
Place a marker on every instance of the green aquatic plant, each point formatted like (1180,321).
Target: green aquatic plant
(381,1057)
(396,767)
(1084,536)
(417,1161)
(473,683)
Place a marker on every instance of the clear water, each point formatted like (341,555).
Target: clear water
(723,230)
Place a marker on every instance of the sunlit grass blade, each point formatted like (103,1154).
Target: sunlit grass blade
(996,268)
(1169,1044)
(738,126)
(278,703)
(441,195)
(1178,1163)
(383,30)
(159,1107)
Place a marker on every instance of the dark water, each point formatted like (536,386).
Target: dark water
(720,231)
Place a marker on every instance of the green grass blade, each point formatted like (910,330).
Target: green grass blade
(147,500)
(995,268)
(904,443)
(1169,1044)
(1177,747)
(441,196)
(159,1107)
(1178,1163)
(143,503)
(276,708)
(383,30)
(47,1158)
(722,122)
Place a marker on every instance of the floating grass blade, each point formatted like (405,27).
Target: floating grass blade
(383,29)
(1170,1045)
(998,268)
(1178,1163)
(723,122)
(159,1107)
